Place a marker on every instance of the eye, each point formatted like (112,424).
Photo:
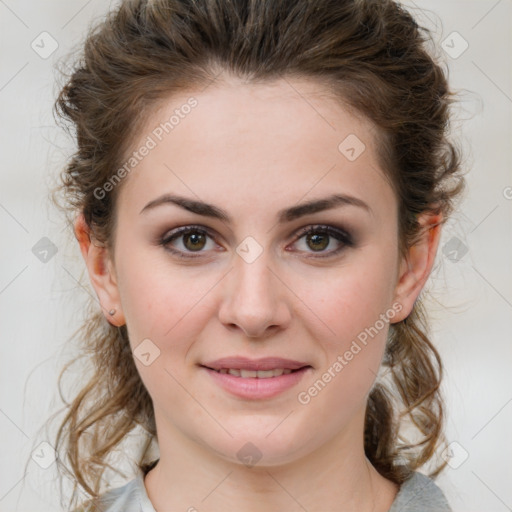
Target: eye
(318,239)
(188,240)
(185,241)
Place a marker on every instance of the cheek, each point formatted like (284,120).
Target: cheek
(353,298)
(161,301)
(357,312)
(354,304)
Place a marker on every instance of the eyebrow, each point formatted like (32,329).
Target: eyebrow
(286,215)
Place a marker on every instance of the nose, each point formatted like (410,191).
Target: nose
(254,299)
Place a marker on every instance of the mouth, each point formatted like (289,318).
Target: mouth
(256,379)
(256,374)
(240,363)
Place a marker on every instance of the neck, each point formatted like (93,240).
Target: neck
(336,476)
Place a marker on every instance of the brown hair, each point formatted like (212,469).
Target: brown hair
(373,56)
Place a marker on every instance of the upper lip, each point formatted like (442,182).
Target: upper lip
(244,363)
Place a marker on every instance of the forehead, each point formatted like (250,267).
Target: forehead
(286,138)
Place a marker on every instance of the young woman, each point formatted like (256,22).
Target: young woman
(258,192)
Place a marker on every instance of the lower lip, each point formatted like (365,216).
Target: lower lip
(255,388)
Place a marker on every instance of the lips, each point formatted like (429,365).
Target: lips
(261,379)
(255,365)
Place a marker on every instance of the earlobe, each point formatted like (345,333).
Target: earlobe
(416,266)
(101,272)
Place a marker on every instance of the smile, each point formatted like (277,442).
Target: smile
(260,374)
(256,384)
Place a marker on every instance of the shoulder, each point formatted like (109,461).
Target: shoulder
(131,497)
(419,493)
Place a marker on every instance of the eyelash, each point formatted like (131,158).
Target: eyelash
(340,235)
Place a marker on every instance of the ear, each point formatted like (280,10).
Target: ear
(415,267)
(101,272)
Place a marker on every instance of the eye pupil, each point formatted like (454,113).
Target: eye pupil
(320,241)
(197,240)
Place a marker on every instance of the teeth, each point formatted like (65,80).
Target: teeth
(260,374)
(265,374)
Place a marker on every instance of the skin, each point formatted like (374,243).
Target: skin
(289,302)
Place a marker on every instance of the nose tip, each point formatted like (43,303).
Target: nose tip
(254,300)
(254,330)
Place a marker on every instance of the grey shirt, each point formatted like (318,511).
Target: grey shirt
(417,494)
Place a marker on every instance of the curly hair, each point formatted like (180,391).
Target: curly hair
(374,57)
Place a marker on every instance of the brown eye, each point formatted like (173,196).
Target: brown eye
(185,241)
(324,240)
(194,241)
(317,241)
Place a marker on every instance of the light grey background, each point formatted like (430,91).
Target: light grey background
(471,298)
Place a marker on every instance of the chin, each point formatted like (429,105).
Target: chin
(257,448)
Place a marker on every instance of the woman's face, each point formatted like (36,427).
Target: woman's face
(254,167)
